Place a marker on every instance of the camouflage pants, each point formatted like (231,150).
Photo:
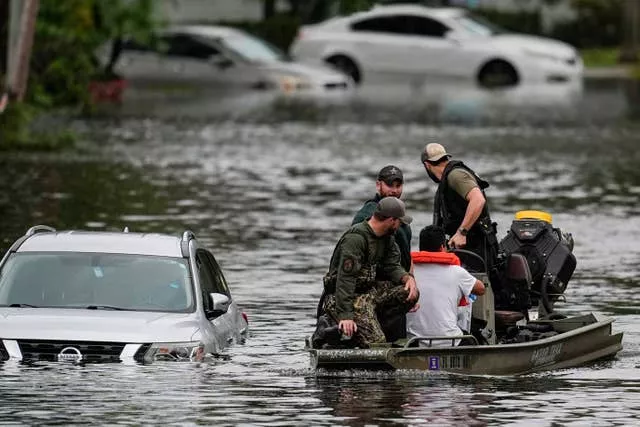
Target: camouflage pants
(383,298)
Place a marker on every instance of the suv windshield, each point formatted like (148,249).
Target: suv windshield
(253,49)
(478,25)
(96,281)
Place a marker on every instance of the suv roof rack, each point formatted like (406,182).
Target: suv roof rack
(187,236)
(39,228)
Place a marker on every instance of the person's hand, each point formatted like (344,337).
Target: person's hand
(412,288)
(348,327)
(458,241)
(414,308)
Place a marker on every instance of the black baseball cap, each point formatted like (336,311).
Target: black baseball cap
(389,174)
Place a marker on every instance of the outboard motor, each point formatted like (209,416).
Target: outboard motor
(548,252)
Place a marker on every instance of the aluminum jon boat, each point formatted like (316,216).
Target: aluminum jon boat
(514,326)
(577,341)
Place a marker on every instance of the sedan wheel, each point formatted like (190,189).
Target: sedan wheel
(498,73)
(346,66)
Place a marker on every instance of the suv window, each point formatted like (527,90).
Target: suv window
(402,24)
(186,46)
(211,277)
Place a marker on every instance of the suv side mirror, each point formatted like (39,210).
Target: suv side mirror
(220,304)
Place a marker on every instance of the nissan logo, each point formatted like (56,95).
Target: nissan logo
(70,354)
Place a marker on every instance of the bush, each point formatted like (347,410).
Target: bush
(279,30)
(598,24)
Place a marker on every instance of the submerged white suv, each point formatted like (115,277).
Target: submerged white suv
(87,296)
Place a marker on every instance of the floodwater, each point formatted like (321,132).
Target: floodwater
(270,185)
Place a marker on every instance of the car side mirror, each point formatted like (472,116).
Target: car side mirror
(220,61)
(220,304)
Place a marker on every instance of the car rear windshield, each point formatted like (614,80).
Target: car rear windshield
(96,281)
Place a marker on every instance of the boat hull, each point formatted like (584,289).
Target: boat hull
(580,340)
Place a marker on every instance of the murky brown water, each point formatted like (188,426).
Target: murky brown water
(270,188)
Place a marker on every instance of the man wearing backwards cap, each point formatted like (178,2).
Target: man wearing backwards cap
(352,295)
(389,183)
(460,204)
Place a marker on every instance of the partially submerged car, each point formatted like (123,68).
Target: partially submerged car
(410,43)
(92,296)
(214,57)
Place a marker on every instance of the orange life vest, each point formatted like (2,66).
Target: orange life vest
(424,257)
(449,258)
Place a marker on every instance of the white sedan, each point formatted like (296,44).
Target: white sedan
(411,42)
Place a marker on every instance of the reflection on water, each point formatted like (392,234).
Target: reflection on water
(270,195)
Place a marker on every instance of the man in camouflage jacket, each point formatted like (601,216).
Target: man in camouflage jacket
(353,295)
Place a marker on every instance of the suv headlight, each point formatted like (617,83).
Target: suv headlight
(192,351)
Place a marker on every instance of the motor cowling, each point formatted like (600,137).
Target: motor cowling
(548,252)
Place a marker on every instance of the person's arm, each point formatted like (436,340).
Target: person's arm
(478,288)
(391,266)
(474,209)
(349,265)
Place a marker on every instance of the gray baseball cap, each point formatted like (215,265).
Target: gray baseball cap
(392,207)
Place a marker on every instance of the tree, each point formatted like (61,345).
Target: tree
(269,9)
(631,25)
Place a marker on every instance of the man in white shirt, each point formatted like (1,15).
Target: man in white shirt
(442,282)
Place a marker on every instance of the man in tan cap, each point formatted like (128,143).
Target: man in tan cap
(353,294)
(460,205)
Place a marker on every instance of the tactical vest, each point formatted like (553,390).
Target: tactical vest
(450,207)
(368,272)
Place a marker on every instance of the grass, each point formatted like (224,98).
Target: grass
(607,57)
(600,57)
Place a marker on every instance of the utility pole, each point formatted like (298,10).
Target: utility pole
(22,23)
(631,16)
(4,32)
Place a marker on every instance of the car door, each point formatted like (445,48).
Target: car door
(140,63)
(433,53)
(189,61)
(212,281)
(202,61)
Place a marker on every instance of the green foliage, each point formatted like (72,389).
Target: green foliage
(279,30)
(68,34)
(346,7)
(598,24)
(15,133)
(600,57)
(522,21)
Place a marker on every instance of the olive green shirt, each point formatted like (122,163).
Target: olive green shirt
(359,256)
(461,181)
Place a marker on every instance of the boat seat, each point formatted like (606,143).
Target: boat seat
(508,318)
